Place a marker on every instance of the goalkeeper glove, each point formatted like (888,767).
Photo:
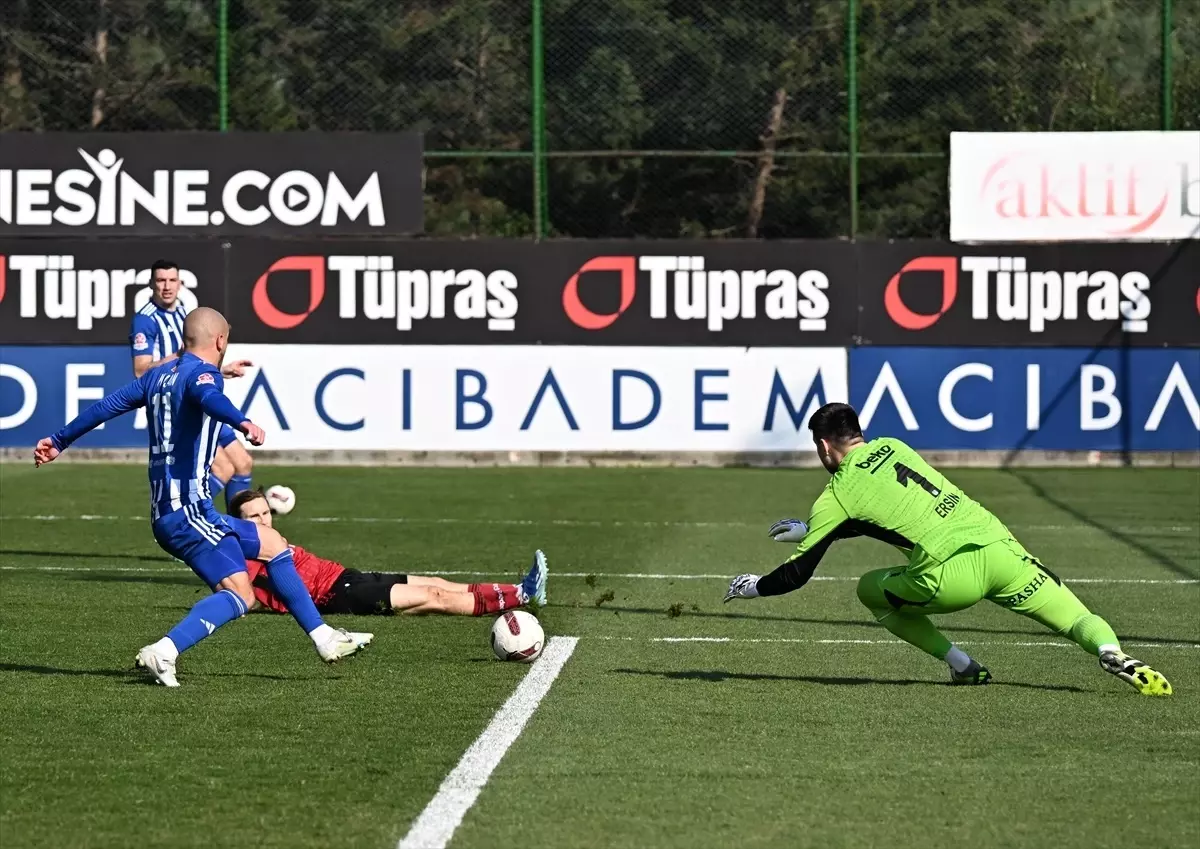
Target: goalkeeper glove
(788,530)
(743,586)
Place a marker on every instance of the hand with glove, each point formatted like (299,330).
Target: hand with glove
(788,530)
(743,586)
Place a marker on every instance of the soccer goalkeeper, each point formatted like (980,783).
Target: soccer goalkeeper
(958,554)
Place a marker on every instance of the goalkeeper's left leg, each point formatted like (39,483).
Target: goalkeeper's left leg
(902,602)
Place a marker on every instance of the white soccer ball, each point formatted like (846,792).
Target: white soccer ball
(517,635)
(281,499)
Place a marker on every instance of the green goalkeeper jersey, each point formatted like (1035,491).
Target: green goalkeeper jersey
(884,489)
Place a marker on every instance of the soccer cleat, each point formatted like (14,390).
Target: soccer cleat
(343,644)
(162,668)
(973,675)
(363,638)
(1135,673)
(533,587)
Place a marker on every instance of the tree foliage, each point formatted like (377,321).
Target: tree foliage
(639,93)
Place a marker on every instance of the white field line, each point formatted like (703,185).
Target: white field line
(444,813)
(565,523)
(811,642)
(167,569)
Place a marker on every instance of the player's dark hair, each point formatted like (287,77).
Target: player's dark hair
(162,265)
(835,423)
(246,495)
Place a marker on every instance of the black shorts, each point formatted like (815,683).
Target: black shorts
(361,593)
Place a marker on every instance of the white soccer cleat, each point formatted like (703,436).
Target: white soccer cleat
(361,637)
(161,667)
(343,644)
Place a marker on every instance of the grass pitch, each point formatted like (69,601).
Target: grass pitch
(805,725)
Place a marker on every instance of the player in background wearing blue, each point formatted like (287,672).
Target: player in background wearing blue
(155,338)
(186,406)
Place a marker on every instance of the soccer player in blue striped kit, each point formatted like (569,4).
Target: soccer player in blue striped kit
(186,408)
(155,337)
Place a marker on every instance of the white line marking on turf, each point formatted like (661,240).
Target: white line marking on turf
(837,642)
(444,813)
(645,576)
(566,523)
(650,576)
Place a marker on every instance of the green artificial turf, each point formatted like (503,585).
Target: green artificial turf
(807,725)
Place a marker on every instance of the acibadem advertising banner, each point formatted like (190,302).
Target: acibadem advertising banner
(452,398)
(188,184)
(1047,187)
(1050,399)
(459,398)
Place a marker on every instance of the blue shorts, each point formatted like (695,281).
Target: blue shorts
(214,546)
(226,436)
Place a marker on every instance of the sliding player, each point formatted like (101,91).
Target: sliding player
(336,589)
(186,406)
(959,554)
(155,338)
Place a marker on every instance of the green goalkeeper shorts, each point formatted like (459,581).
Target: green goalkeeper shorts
(1002,572)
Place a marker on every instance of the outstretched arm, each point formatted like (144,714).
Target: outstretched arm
(205,388)
(128,397)
(828,522)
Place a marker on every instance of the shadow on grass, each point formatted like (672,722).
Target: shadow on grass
(717,676)
(137,677)
(1106,528)
(948,627)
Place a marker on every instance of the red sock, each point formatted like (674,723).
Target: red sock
(492,598)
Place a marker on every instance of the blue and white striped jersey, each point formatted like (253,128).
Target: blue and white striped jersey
(185,408)
(156,332)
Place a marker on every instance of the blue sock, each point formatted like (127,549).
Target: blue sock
(206,617)
(215,485)
(281,570)
(237,483)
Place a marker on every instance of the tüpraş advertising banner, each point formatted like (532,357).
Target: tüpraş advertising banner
(174,184)
(452,398)
(1049,399)
(687,293)
(579,293)
(934,293)
(1045,187)
(88,292)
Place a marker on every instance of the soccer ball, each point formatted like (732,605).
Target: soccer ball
(517,635)
(281,499)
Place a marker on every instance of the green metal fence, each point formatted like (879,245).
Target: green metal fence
(615,118)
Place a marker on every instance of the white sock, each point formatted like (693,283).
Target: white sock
(166,648)
(958,659)
(1110,647)
(321,634)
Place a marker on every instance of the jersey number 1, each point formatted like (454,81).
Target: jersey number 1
(904,474)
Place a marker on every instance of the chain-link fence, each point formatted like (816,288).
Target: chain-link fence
(640,118)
